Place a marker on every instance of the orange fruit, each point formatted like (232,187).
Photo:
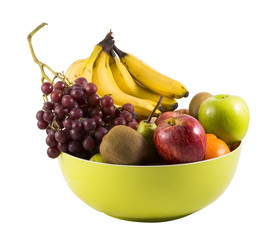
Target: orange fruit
(215,147)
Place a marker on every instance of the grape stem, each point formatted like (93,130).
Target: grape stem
(43,65)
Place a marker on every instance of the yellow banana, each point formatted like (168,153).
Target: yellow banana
(103,78)
(74,70)
(128,85)
(83,67)
(150,78)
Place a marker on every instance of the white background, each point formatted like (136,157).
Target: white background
(215,46)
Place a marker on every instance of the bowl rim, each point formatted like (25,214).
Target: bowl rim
(157,165)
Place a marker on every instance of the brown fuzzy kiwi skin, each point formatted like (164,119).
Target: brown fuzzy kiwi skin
(124,145)
(196,102)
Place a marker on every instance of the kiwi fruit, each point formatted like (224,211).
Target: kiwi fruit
(196,102)
(124,145)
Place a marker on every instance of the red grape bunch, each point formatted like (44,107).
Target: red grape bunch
(76,118)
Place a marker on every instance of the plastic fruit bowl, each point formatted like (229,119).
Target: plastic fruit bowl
(149,193)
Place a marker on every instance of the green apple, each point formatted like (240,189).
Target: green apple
(97,158)
(225,116)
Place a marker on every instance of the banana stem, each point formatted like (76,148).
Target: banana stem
(107,43)
(112,53)
(119,52)
(155,108)
(40,64)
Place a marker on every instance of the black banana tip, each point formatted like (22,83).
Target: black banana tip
(186,94)
(175,106)
(161,108)
(158,114)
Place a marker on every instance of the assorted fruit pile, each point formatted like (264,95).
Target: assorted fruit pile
(113,108)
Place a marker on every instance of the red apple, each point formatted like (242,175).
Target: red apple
(166,115)
(180,139)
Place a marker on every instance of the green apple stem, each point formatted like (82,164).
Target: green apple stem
(43,65)
(155,108)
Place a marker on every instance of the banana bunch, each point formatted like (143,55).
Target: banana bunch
(127,79)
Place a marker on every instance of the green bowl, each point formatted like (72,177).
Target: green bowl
(152,193)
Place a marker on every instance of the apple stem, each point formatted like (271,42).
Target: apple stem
(171,122)
(155,108)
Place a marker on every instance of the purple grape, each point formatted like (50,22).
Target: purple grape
(67,123)
(89,124)
(107,118)
(96,112)
(63,147)
(74,146)
(117,112)
(77,85)
(77,93)
(56,96)
(126,115)
(67,91)
(61,136)
(50,131)
(100,132)
(88,144)
(76,113)
(48,106)
(61,111)
(48,116)
(128,107)
(47,88)
(42,125)
(67,101)
(76,105)
(99,121)
(77,134)
(60,85)
(53,152)
(93,100)
(51,141)
(119,121)
(39,115)
(77,124)
(59,123)
(109,110)
(82,102)
(133,124)
(90,88)
(81,80)
(107,101)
